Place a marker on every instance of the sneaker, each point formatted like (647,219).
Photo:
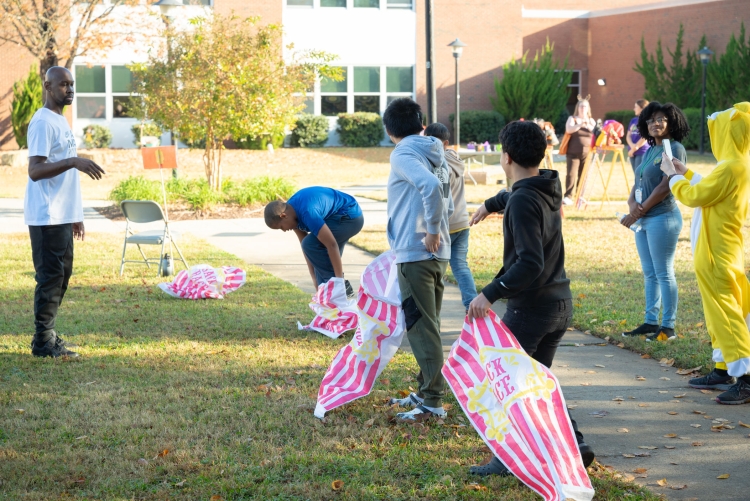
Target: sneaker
(421,413)
(408,402)
(566,201)
(669,333)
(642,330)
(713,381)
(54,347)
(587,454)
(61,342)
(349,290)
(494,467)
(737,394)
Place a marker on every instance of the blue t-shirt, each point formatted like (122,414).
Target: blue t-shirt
(635,136)
(314,205)
(648,175)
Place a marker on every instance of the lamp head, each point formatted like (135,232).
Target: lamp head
(602,82)
(168,7)
(705,55)
(458,47)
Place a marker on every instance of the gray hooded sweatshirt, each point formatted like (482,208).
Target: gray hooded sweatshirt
(419,199)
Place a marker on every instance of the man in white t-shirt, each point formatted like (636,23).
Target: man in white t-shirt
(52,208)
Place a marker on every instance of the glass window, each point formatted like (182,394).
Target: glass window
(333,3)
(304,3)
(367,79)
(375,4)
(367,103)
(328,85)
(89,79)
(91,107)
(121,106)
(309,103)
(399,4)
(399,79)
(122,79)
(331,106)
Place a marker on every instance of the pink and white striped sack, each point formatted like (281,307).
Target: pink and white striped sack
(203,281)
(334,312)
(516,405)
(381,328)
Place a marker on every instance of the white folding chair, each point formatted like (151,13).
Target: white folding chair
(146,211)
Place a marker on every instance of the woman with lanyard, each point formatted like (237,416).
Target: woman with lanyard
(652,203)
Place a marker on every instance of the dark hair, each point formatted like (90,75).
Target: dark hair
(272,212)
(677,124)
(439,131)
(524,142)
(403,117)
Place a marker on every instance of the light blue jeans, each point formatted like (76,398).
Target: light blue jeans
(656,244)
(459,267)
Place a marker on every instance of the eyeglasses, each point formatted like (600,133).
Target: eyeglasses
(657,121)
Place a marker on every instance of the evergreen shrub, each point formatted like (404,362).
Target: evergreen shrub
(360,129)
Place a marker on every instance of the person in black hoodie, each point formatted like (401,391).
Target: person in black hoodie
(532,279)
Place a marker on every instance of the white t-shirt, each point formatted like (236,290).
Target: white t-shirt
(56,200)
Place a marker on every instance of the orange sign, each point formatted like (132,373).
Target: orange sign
(160,157)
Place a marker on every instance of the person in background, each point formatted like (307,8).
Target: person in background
(637,145)
(459,221)
(580,126)
(653,204)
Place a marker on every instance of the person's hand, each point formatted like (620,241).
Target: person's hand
(88,167)
(637,211)
(432,242)
(631,152)
(479,307)
(479,216)
(679,167)
(667,167)
(628,221)
(79,232)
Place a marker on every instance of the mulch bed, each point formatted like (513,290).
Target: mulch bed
(182,212)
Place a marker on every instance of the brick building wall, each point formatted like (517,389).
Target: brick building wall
(15,62)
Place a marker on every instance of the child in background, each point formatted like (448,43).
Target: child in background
(459,221)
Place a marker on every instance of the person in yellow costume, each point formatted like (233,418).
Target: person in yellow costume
(722,199)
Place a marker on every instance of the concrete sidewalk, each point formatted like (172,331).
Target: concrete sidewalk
(599,381)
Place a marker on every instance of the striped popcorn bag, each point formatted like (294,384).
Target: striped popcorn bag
(516,405)
(357,365)
(334,312)
(203,281)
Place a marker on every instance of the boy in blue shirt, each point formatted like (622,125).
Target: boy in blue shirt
(324,220)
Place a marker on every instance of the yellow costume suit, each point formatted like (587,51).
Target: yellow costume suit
(722,200)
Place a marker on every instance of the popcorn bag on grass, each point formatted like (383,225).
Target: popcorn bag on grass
(357,365)
(334,312)
(516,405)
(203,281)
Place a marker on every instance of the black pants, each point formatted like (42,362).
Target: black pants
(52,252)
(539,330)
(575,163)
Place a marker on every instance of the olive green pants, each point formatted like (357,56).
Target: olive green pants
(421,284)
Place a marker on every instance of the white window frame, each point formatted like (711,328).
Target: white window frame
(108,94)
(383,5)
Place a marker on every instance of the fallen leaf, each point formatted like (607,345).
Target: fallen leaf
(386,381)
(669,446)
(662,482)
(216,497)
(697,444)
(698,412)
(647,447)
(337,485)
(642,405)
(609,356)
(672,413)
(617,399)
(476,487)
(678,487)
(82,437)
(599,365)
(685,372)
(590,372)
(628,455)
(666,362)
(681,395)
(20,411)
(621,345)
(142,461)
(645,355)
(661,391)
(572,406)
(695,425)
(665,379)
(707,392)
(623,322)
(699,324)
(670,435)
(179,484)
(640,471)
(640,378)
(369,423)
(622,430)
(163,453)
(585,384)
(744,425)
(723,476)
(403,393)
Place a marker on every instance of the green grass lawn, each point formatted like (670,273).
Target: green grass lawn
(606,279)
(199,400)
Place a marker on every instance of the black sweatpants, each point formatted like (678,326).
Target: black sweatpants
(52,253)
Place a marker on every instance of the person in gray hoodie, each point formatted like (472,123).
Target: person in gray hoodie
(419,207)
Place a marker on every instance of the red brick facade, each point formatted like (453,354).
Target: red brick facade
(15,62)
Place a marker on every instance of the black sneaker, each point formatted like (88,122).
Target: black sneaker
(494,467)
(642,330)
(54,347)
(713,381)
(60,341)
(587,454)
(738,394)
(668,332)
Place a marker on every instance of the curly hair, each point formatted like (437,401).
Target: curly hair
(677,124)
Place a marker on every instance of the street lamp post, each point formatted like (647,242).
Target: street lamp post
(458,47)
(705,55)
(169,9)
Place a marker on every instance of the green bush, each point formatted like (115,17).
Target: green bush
(136,188)
(149,129)
(694,118)
(360,129)
(480,126)
(97,136)
(310,130)
(728,79)
(261,142)
(261,190)
(622,116)
(27,98)
(560,123)
(200,196)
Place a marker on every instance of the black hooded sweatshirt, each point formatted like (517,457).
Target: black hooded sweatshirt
(533,271)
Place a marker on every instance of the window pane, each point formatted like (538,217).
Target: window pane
(328,85)
(331,106)
(399,79)
(305,3)
(367,79)
(399,4)
(309,103)
(574,78)
(375,4)
(122,78)
(333,3)
(367,103)
(121,106)
(89,79)
(91,107)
